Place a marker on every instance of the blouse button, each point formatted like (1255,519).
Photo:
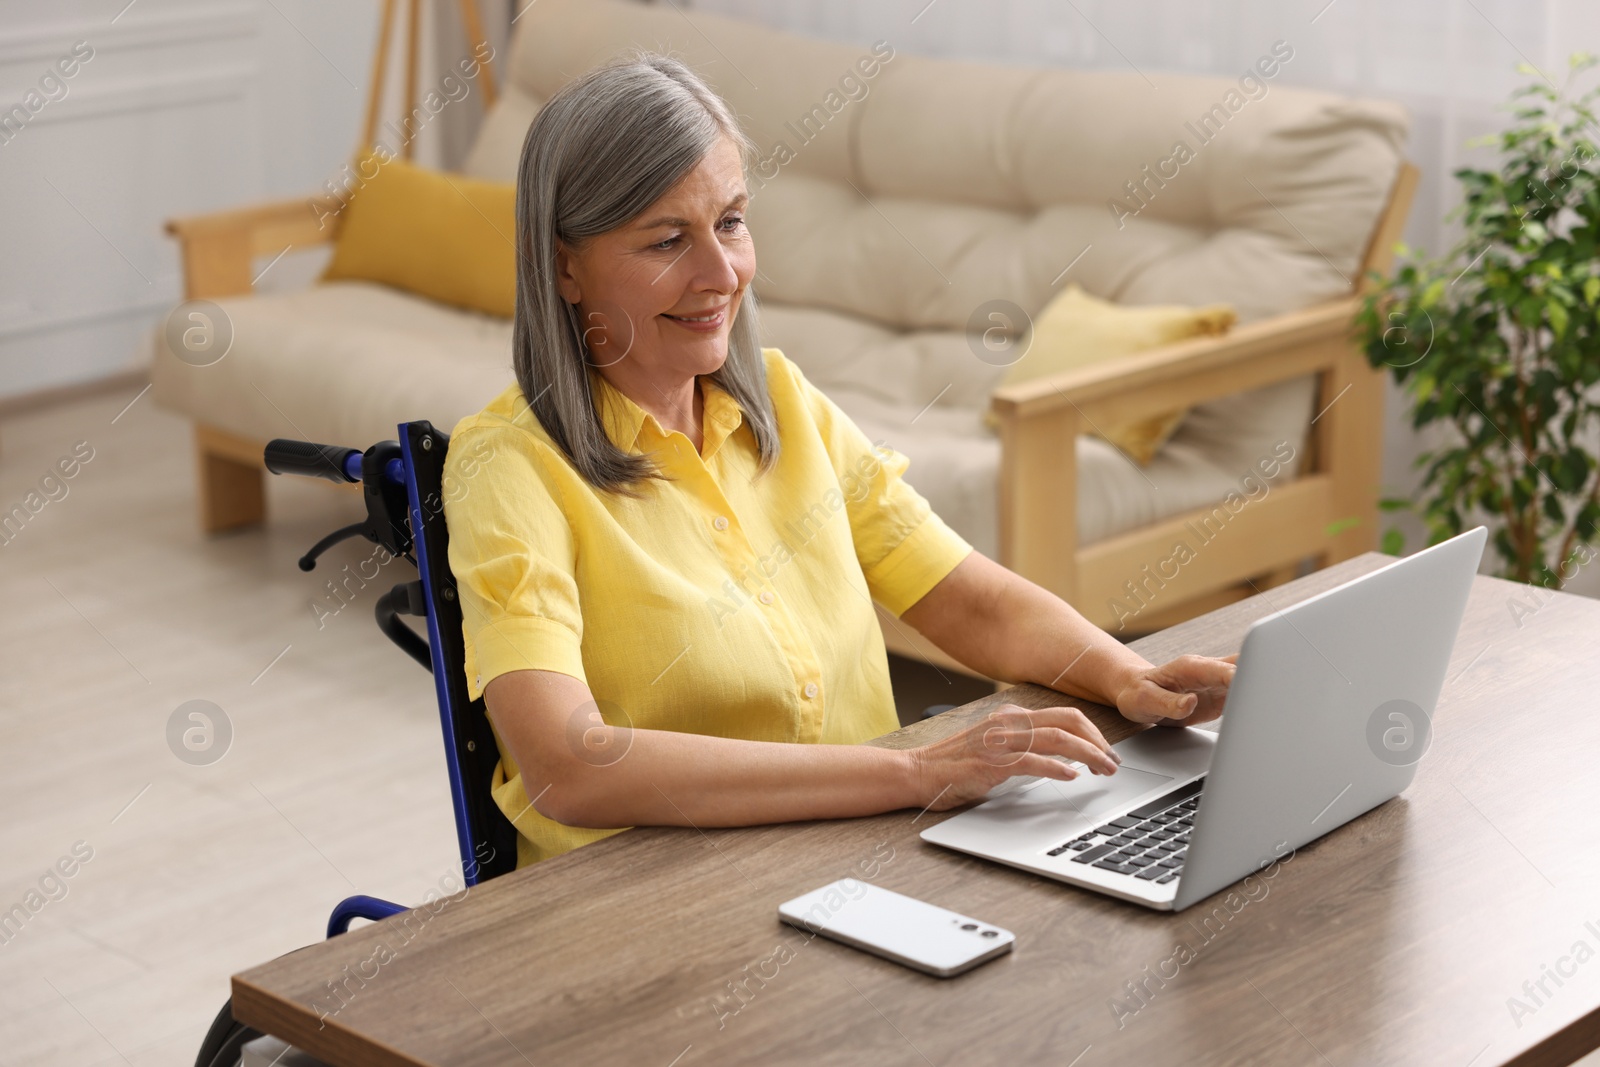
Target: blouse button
(720,522)
(765,597)
(811,690)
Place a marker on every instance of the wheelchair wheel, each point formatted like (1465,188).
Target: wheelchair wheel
(225,1041)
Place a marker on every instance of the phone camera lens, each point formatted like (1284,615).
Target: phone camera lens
(991,933)
(969,926)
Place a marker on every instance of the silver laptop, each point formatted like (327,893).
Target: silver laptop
(1329,712)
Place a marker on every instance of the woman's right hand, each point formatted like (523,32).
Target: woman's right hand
(1007,742)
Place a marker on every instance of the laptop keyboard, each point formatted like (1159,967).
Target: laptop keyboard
(1150,842)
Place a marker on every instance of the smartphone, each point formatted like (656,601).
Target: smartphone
(911,932)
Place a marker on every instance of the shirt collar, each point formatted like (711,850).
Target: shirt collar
(631,428)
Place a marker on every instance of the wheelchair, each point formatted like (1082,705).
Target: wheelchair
(402,485)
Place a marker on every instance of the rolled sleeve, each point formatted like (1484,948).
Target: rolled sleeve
(917,564)
(511,552)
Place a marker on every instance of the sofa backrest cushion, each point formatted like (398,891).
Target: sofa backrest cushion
(912,196)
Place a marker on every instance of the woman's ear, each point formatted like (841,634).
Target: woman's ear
(566,280)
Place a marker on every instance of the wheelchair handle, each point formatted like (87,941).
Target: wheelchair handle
(285,456)
(382,471)
(333,462)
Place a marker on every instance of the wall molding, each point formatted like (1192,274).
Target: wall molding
(187,104)
(153,94)
(211,22)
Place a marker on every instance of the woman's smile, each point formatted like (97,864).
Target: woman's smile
(702,322)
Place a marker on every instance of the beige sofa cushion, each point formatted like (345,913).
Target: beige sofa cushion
(340,363)
(955,459)
(494,155)
(943,186)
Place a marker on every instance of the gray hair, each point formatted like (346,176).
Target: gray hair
(601,151)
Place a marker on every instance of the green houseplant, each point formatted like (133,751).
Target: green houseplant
(1499,341)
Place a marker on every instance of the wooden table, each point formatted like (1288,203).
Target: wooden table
(1398,939)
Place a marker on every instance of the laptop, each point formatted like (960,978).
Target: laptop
(1327,717)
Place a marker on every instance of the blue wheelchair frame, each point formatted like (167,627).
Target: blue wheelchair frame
(403,489)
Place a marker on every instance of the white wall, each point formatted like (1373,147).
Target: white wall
(184,107)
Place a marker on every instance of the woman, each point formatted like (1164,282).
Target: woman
(667,560)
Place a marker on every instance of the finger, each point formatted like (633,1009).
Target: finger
(1177,705)
(1044,767)
(1072,720)
(1153,703)
(1194,672)
(1001,738)
(1011,731)
(1054,741)
(1213,671)
(1010,717)
(1231,659)
(1195,719)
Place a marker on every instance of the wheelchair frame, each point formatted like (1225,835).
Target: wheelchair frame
(403,490)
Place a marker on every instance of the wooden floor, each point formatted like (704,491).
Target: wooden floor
(119,612)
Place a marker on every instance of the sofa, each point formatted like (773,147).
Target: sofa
(896,202)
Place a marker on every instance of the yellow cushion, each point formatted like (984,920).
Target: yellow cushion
(1077,330)
(442,236)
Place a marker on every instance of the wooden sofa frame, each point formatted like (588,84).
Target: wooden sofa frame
(1326,514)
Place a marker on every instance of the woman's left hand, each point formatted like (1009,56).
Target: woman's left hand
(1182,692)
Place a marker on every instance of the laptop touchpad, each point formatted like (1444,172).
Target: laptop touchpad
(1094,796)
(1052,809)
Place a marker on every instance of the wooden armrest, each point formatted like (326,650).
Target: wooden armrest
(270,226)
(1039,423)
(218,248)
(1190,372)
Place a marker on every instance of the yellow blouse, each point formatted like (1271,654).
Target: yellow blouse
(716,602)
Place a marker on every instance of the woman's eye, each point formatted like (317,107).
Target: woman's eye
(730,224)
